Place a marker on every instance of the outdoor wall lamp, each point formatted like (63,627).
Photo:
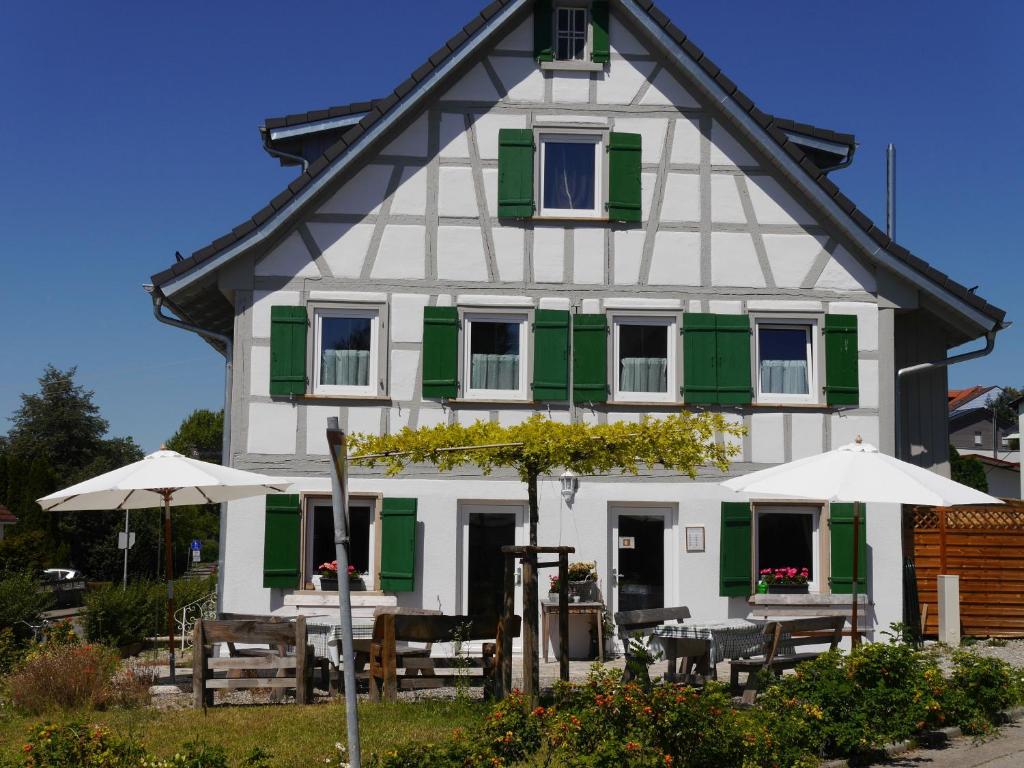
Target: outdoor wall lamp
(570,484)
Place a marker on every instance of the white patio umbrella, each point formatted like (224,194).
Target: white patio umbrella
(858,472)
(168,479)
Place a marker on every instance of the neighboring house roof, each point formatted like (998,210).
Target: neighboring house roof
(958,398)
(6,516)
(992,462)
(459,47)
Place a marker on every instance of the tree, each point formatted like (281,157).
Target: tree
(540,446)
(967,470)
(1005,413)
(200,436)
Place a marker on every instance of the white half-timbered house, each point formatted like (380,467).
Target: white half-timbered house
(569,209)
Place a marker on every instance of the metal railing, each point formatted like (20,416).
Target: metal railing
(185,617)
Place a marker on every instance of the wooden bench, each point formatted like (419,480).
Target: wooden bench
(419,671)
(243,668)
(629,623)
(791,633)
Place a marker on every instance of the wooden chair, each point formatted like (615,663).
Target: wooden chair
(419,671)
(244,668)
(628,623)
(787,634)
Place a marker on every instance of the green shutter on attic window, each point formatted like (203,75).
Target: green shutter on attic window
(735,550)
(590,359)
(398,545)
(841,533)
(700,359)
(732,338)
(550,354)
(841,386)
(288,350)
(624,152)
(600,52)
(515,173)
(543,30)
(440,352)
(281,541)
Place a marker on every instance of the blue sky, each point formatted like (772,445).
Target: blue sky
(130,131)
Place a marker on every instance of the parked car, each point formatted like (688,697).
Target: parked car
(62,574)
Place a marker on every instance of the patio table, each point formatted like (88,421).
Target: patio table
(720,640)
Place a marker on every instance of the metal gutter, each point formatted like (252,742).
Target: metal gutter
(274,152)
(317,184)
(316,126)
(832,147)
(815,192)
(228,342)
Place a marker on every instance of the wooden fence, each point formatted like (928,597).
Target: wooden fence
(982,545)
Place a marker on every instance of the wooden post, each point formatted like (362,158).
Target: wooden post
(563,616)
(531,661)
(302,692)
(854,625)
(198,666)
(504,661)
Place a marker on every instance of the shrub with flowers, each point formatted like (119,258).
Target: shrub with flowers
(785,575)
(80,745)
(583,571)
(329,570)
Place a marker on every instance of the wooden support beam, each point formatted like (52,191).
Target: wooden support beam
(531,660)
(563,616)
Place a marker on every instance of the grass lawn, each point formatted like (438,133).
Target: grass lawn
(296,736)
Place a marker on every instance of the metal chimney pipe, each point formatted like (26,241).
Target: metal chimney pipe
(890,191)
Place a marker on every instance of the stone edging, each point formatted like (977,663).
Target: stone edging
(931,737)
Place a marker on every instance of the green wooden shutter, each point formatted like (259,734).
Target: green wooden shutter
(700,359)
(732,339)
(841,527)
(398,545)
(440,352)
(543,30)
(600,51)
(624,152)
(735,548)
(590,358)
(281,541)
(841,386)
(551,354)
(515,173)
(288,350)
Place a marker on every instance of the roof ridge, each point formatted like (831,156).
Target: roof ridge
(771,125)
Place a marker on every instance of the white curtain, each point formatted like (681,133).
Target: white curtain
(644,374)
(784,377)
(345,367)
(494,372)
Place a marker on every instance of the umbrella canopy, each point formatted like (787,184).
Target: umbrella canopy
(143,485)
(858,472)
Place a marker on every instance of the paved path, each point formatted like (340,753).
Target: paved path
(1005,750)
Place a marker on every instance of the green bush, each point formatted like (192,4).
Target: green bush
(22,600)
(77,745)
(979,689)
(119,617)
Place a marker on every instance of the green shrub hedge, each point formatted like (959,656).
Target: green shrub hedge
(119,617)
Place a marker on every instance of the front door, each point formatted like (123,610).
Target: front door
(638,558)
(486,528)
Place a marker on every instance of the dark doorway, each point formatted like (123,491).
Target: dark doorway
(488,533)
(642,567)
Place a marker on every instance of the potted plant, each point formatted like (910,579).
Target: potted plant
(355,579)
(582,577)
(329,576)
(786,580)
(553,589)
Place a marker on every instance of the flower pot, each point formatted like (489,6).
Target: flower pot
(328,585)
(552,597)
(356,585)
(787,589)
(582,591)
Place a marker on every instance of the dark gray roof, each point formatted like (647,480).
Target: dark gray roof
(774,126)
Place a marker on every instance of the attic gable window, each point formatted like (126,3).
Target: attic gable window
(571,27)
(571,169)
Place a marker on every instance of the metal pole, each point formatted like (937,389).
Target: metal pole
(890,191)
(124,581)
(339,498)
(168,556)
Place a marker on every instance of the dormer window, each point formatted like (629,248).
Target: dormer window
(571,29)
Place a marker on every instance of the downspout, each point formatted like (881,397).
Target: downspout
(274,152)
(990,343)
(158,303)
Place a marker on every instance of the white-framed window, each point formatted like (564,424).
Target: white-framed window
(346,350)
(572,29)
(495,359)
(319,537)
(788,537)
(977,438)
(571,175)
(644,355)
(786,355)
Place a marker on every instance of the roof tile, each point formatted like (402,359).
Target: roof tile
(474,25)
(243,229)
(262,215)
(493,9)
(743,100)
(318,166)
(281,200)
(862,221)
(456,40)
(439,56)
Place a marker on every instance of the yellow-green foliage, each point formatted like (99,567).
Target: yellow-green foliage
(683,442)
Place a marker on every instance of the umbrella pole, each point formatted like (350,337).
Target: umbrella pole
(170,580)
(854,627)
